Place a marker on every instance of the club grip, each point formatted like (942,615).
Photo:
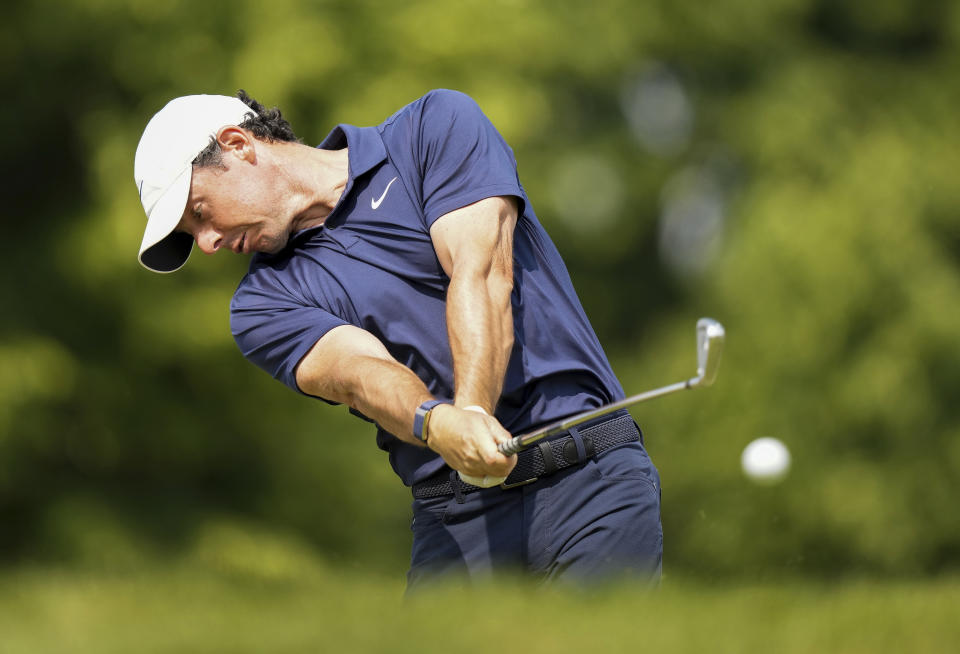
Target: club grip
(510,447)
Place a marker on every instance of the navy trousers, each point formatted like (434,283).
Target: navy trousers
(589,523)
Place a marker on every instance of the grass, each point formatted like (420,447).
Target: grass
(192,608)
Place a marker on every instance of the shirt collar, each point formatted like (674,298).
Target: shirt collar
(366,151)
(366,148)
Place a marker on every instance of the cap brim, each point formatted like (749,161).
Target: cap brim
(169,254)
(163,249)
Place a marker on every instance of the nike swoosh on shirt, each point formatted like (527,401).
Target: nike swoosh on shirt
(376,203)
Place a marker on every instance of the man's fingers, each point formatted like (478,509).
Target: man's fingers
(467,439)
(486,459)
(498,464)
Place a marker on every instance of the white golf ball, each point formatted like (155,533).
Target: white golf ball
(765,460)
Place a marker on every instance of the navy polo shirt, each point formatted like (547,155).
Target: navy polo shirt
(372,265)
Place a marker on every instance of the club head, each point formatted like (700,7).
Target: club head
(710,336)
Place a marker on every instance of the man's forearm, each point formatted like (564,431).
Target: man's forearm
(349,366)
(475,248)
(388,393)
(480,327)
(464,439)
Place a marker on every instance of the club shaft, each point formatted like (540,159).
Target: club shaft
(525,440)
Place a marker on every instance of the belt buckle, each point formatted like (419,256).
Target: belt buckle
(506,486)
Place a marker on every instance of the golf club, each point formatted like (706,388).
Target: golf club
(710,337)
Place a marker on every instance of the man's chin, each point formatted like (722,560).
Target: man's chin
(269,245)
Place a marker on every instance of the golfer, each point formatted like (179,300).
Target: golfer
(401,270)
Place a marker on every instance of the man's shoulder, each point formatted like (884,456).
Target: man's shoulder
(267,274)
(448,97)
(433,102)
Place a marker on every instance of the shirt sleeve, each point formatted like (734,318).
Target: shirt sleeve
(463,157)
(274,329)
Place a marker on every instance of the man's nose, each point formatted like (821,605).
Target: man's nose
(209,240)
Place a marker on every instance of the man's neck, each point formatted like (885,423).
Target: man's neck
(317,176)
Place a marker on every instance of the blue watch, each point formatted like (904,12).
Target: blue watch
(420,419)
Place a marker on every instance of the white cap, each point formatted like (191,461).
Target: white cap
(163,168)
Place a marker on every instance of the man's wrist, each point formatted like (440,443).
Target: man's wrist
(421,420)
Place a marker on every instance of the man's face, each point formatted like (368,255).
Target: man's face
(239,207)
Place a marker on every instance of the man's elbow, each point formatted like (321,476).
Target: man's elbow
(314,381)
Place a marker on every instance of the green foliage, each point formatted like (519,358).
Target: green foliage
(823,131)
(193,608)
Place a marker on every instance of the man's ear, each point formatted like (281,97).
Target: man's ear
(238,142)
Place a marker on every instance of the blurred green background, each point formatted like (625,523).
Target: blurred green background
(787,167)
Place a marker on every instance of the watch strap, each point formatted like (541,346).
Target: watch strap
(420,418)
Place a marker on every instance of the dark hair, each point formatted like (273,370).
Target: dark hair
(265,124)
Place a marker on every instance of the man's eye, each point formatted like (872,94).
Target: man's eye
(198,214)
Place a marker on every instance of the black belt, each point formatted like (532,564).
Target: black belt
(544,458)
